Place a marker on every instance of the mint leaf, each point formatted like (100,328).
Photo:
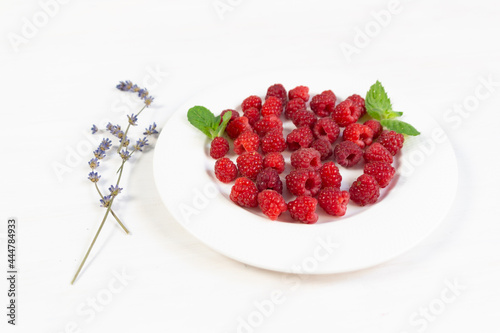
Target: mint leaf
(377,103)
(203,119)
(399,126)
(392,114)
(225,120)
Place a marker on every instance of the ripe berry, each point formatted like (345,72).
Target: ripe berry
(347,112)
(392,141)
(293,106)
(267,123)
(246,142)
(273,141)
(361,135)
(303,209)
(277,90)
(323,147)
(219,147)
(333,201)
(275,161)
(269,179)
(381,171)
(347,154)
(303,118)
(271,203)
(253,115)
(303,182)
(272,106)
(225,170)
(234,115)
(237,126)
(299,138)
(375,126)
(360,101)
(330,175)
(377,153)
(251,102)
(301,92)
(250,164)
(323,104)
(326,128)
(364,190)
(244,192)
(306,158)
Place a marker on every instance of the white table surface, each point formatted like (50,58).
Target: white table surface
(59,80)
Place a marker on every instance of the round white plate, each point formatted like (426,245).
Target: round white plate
(413,205)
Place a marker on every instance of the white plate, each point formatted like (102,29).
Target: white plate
(408,210)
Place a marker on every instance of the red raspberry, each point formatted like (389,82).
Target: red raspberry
(330,175)
(219,147)
(277,90)
(273,141)
(272,106)
(346,113)
(301,92)
(333,201)
(247,142)
(275,161)
(225,170)
(375,126)
(377,153)
(323,104)
(299,138)
(360,101)
(303,209)
(251,102)
(326,128)
(324,147)
(293,106)
(253,115)
(244,192)
(303,182)
(306,158)
(364,190)
(269,179)
(267,123)
(250,164)
(361,135)
(381,171)
(238,126)
(234,115)
(347,154)
(304,118)
(271,203)
(392,141)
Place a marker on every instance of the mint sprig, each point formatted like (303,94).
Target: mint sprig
(378,106)
(204,120)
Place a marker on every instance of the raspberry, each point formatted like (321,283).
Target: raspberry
(273,141)
(346,113)
(392,141)
(360,101)
(277,90)
(293,106)
(330,175)
(251,102)
(299,138)
(364,190)
(272,106)
(237,126)
(271,203)
(267,123)
(306,158)
(381,171)
(247,142)
(304,118)
(219,147)
(303,209)
(301,92)
(323,104)
(347,154)
(253,115)
(250,164)
(234,115)
(303,182)
(269,179)
(323,147)
(275,161)
(244,192)
(361,135)
(225,170)
(375,126)
(326,128)
(333,201)
(377,153)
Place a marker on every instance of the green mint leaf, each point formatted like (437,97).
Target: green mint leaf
(203,119)
(378,105)
(399,126)
(225,120)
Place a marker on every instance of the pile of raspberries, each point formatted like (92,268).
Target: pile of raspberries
(259,141)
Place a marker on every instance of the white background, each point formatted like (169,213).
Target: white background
(59,79)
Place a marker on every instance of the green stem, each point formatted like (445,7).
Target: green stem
(112,212)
